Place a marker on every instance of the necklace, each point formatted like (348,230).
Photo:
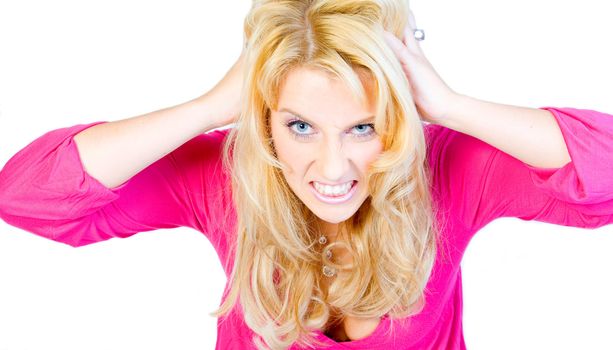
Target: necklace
(326,270)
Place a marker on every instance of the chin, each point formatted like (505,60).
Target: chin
(334,218)
(330,220)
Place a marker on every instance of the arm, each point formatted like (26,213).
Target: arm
(481,183)
(531,135)
(113,152)
(528,134)
(90,182)
(44,189)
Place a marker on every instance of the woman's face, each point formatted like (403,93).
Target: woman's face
(324,137)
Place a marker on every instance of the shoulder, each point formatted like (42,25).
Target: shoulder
(458,164)
(199,162)
(450,150)
(202,153)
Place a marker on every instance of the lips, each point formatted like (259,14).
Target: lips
(335,199)
(338,184)
(334,191)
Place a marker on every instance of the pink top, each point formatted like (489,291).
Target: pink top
(45,190)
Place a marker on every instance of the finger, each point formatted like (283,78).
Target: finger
(409,37)
(410,42)
(400,51)
(412,23)
(395,43)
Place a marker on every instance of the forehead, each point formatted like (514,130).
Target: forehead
(317,93)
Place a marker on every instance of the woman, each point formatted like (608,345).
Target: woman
(395,251)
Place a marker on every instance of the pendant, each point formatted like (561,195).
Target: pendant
(328,271)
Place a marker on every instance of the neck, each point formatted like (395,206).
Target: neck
(329,230)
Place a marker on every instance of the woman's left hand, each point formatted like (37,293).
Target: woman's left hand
(433,98)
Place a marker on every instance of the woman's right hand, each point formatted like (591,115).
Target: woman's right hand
(227,92)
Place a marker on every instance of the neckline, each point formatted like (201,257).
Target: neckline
(358,343)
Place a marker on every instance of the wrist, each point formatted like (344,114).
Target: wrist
(457,105)
(212,110)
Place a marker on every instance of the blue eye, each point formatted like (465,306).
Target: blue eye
(364,130)
(367,131)
(302,126)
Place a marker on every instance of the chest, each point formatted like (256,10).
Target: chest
(347,328)
(352,328)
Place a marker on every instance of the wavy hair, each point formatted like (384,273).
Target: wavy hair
(276,274)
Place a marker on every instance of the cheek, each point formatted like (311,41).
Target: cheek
(289,153)
(367,155)
(292,158)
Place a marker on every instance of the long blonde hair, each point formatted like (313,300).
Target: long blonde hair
(276,273)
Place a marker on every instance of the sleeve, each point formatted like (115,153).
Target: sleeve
(45,190)
(483,183)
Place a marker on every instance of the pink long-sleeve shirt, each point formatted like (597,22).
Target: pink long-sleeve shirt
(45,190)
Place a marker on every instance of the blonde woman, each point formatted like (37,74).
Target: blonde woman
(342,201)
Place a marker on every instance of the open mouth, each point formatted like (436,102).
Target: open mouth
(332,198)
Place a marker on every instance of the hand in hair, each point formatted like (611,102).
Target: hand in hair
(228,91)
(431,94)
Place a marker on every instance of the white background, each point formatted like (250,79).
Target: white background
(527,285)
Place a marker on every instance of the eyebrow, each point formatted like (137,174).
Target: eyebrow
(358,122)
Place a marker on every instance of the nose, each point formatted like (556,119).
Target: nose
(333,163)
